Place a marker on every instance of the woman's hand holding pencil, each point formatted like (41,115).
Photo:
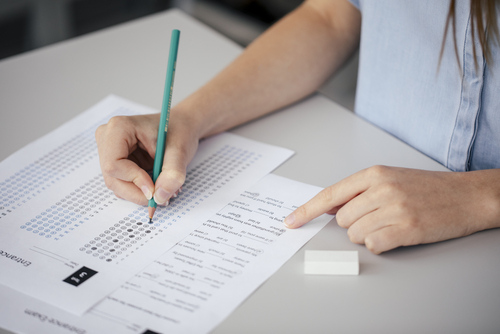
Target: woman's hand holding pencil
(127,147)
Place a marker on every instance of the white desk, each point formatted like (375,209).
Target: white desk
(448,287)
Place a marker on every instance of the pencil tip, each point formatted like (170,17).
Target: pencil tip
(151,212)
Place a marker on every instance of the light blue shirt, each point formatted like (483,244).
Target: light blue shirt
(451,115)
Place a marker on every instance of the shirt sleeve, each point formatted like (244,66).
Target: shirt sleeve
(356,3)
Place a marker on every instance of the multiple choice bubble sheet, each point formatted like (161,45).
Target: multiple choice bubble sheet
(67,240)
(197,283)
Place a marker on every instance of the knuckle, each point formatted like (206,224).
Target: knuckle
(99,131)
(386,188)
(378,171)
(371,245)
(391,189)
(118,122)
(341,218)
(140,179)
(412,226)
(353,236)
(377,243)
(108,168)
(109,183)
(402,208)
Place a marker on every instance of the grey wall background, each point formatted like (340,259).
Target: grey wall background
(30,24)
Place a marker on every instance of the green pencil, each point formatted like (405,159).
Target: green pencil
(165,114)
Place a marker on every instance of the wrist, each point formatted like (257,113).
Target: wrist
(485,195)
(190,119)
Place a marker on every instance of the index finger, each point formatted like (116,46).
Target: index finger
(329,198)
(114,150)
(113,139)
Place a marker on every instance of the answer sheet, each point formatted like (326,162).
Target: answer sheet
(67,240)
(197,283)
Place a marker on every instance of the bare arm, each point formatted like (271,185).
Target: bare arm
(288,62)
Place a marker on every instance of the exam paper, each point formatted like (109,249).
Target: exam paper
(68,241)
(197,283)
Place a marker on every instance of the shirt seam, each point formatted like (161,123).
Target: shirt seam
(461,93)
(476,122)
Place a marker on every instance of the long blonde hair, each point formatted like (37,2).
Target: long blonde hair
(483,17)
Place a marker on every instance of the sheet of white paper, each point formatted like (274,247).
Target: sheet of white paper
(198,282)
(64,237)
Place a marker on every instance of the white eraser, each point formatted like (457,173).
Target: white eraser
(317,262)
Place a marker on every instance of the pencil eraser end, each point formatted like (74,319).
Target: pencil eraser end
(320,262)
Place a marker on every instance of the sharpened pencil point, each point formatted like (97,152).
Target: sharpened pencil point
(151,213)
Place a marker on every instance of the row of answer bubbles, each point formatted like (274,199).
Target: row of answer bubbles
(202,181)
(71,211)
(45,171)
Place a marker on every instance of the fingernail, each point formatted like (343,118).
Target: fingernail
(161,196)
(290,220)
(147,192)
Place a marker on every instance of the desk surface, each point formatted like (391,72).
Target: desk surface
(448,287)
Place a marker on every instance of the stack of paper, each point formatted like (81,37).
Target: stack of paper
(75,258)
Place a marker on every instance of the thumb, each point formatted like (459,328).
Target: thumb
(172,176)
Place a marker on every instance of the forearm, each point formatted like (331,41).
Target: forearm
(288,62)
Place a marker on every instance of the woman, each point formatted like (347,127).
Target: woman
(436,92)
